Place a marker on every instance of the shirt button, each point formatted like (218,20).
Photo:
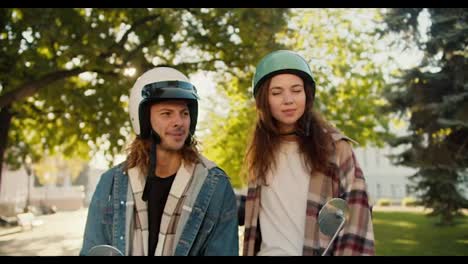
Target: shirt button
(121,237)
(122,202)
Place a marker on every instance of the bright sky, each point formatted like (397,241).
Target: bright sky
(206,89)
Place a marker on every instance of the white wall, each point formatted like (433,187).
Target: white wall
(14,186)
(14,193)
(384,180)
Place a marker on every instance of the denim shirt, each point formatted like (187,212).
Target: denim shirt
(211,227)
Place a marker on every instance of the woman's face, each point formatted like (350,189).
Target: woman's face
(287,99)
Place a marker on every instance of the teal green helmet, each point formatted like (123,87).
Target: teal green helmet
(282,61)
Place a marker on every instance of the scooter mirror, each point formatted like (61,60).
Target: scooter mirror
(332,218)
(104,250)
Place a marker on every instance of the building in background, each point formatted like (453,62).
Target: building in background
(19,190)
(384,180)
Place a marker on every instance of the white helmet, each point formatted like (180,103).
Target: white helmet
(155,85)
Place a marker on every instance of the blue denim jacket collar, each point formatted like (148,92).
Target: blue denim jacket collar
(212,198)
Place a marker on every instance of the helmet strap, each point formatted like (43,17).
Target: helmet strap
(155,139)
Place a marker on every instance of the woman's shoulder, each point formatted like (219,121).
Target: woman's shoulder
(343,147)
(343,144)
(338,136)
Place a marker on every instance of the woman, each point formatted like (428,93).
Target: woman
(297,162)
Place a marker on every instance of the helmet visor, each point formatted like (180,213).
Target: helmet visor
(168,90)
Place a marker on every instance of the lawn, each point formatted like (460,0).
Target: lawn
(415,234)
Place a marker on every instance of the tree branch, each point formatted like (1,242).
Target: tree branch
(134,26)
(41,112)
(132,53)
(125,35)
(60,112)
(108,73)
(29,88)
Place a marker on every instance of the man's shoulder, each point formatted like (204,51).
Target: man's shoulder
(205,162)
(217,171)
(212,167)
(105,183)
(115,170)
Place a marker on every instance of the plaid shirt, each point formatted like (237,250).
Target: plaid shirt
(170,217)
(348,183)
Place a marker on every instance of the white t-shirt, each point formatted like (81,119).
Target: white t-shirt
(283,204)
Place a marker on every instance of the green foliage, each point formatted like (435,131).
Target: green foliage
(341,46)
(65,73)
(229,127)
(227,141)
(435,94)
(349,83)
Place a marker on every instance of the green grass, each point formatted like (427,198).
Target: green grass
(415,234)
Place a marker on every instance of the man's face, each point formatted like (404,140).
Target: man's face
(171,120)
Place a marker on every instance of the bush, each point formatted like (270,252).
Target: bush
(409,202)
(384,202)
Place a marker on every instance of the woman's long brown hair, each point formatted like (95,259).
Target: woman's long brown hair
(315,148)
(139,154)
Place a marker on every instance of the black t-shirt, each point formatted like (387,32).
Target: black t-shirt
(157,196)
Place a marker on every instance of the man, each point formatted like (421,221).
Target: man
(166,198)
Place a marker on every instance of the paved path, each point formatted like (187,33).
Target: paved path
(59,234)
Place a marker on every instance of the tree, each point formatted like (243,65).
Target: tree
(65,74)
(435,97)
(229,130)
(340,49)
(228,125)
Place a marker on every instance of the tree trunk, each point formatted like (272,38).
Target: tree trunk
(21,92)
(447,215)
(31,87)
(5,121)
(27,166)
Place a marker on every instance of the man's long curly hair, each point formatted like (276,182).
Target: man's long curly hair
(139,153)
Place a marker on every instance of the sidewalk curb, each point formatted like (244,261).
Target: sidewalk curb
(11,230)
